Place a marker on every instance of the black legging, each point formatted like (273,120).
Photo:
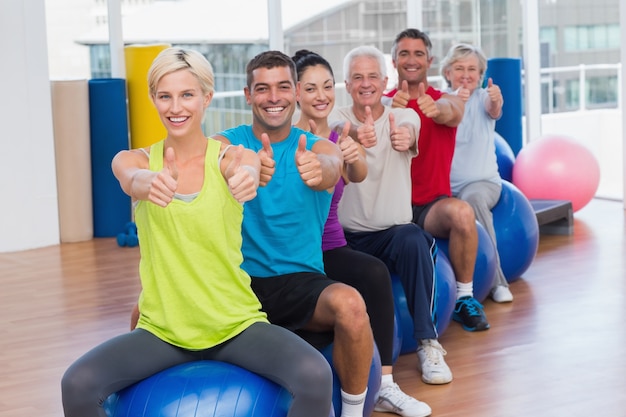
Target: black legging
(370,276)
(265,349)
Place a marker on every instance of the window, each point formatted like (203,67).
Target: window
(590,37)
(547,35)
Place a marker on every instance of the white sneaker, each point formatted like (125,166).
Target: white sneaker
(430,361)
(501,294)
(391,399)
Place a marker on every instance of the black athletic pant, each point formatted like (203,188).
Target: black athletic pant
(370,277)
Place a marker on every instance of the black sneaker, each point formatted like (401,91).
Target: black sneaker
(469,312)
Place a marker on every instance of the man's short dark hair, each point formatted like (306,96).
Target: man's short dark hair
(411,33)
(270,59)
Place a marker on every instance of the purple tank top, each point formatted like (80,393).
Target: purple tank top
(333,232)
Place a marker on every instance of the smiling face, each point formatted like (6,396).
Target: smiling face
(464,72)
(366,83)
(272,96)
(181,103)
(412,61)
(316,92)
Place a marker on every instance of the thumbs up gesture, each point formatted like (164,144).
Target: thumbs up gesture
(493,90)
(426,103)
(242,179)
(165,182)
(268,165)
(308,165)
(366,133)
(399,135)
(402,96)
(463,93)
(349,148)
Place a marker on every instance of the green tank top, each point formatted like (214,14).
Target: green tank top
(194,293)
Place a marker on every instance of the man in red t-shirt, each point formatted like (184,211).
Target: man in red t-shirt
(434,208)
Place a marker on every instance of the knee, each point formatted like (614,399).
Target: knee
(464,218)
(350,308)
(374,281)
(313,380)
(77,389)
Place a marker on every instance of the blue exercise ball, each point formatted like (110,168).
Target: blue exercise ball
(485,265)
(445,297)
(445,290)
(403,316)
(373,382)
(201,389)
(517,231)
(505,157)
(485,269)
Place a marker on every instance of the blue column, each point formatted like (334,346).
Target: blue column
(507,73)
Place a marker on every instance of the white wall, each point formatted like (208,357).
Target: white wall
(601,132)
(28,193)
(66,21)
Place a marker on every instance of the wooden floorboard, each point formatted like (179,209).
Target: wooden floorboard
(557,350)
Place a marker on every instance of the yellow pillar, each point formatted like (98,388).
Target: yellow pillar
(145,125)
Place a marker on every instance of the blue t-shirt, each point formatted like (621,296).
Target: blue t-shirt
(283,225)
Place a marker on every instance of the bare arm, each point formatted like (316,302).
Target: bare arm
(354,164)
(131,168)
(451,109)
(447,110)
(320,167)
(265,155)
(240,168)
(495,101)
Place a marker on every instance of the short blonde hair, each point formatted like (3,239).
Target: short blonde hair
(174,59)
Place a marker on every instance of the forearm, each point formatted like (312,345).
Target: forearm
(357,171)
(451,110)
(494,108)
(331,170)
(139,184)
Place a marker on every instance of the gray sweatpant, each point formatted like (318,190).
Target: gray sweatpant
(268,350)
(483,196)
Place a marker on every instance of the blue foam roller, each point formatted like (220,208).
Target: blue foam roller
(108,119)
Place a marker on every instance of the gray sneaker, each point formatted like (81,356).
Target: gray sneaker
(430,361)
(391,399)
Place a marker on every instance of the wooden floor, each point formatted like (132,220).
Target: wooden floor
(557,350)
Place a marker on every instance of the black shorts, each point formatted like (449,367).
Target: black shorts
(420,212)
(289,300)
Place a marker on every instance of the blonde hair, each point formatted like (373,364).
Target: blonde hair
(174,59)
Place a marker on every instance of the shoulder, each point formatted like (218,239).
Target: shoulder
(341,113)
(234,131)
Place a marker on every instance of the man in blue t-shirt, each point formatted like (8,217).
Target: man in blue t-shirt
(283,226)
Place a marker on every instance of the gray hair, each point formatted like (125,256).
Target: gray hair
(462,51)
(364,51)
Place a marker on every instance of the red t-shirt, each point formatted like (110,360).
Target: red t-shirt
(430,169)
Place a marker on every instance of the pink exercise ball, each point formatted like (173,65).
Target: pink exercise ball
(557,168)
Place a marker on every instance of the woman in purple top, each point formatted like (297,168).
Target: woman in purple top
(368,274)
